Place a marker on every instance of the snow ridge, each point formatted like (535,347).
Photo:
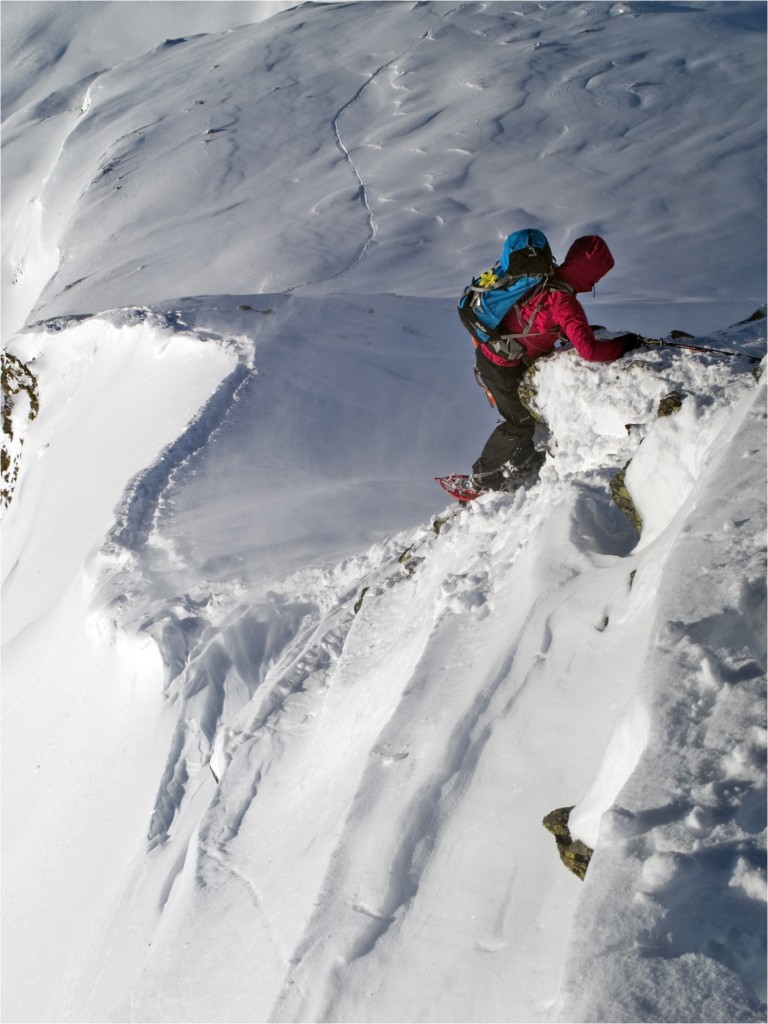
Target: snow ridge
(697,828)
(145,492)
(346,740)
(274,749)
(315,700)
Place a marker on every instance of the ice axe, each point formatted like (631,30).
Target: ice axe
(661,343)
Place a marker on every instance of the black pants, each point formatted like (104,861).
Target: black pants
(512,440)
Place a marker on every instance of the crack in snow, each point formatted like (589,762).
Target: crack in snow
(363,192)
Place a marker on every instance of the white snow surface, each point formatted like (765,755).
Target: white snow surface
(273,748)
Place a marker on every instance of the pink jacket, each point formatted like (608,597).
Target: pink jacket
(559,314)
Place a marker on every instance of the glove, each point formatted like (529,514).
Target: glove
(630,342)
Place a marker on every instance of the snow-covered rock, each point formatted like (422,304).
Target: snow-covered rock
(274,748)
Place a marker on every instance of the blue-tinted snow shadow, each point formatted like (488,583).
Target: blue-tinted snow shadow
(599,524)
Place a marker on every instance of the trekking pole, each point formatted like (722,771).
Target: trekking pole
(660,343)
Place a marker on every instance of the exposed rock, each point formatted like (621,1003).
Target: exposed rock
(528,389)
(408,562)
(759,314)
(17,379)
(439,522)
(573,852)
(670,404)
(623,499)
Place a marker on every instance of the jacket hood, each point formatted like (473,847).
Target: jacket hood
(588,260)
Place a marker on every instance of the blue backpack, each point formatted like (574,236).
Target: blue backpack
(525,268)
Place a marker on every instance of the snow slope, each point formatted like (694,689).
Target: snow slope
(273,748)
(403,160)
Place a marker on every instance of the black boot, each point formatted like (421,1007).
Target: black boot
(525,474)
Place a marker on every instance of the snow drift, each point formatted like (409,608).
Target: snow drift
(279,729)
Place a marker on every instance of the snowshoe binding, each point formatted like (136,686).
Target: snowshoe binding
(508,479)
(460,486)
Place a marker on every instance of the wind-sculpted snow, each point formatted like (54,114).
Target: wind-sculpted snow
(376,729)
(687,834)
(348,742)
(134,522)
(392,167)
(274,747)
(344,792)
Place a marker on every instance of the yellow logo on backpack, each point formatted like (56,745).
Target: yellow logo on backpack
(487,279)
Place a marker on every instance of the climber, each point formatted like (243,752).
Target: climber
(548,311)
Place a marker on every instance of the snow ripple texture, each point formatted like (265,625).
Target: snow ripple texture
(372,704)
(273,748)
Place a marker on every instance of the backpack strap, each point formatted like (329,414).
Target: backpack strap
(502,281)
(506,345)
(556,285)
(509,345)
